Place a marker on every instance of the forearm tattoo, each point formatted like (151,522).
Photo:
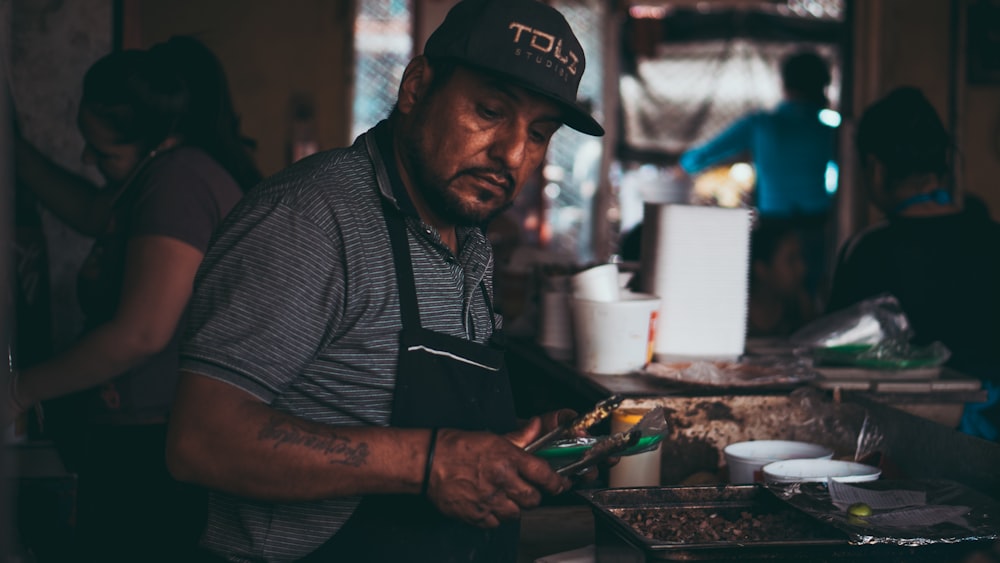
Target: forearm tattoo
(285,432)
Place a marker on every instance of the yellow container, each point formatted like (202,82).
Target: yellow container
(640,470)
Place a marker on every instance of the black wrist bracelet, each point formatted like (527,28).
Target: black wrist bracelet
(429,463)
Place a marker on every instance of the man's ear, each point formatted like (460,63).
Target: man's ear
(413,86)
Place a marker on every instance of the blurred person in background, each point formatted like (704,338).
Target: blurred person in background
(938,258)
(168,148)
(779,303)
(791,149)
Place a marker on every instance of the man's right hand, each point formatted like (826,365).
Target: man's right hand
(482,478)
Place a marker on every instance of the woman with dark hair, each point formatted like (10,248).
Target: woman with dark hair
(939,259)
(211,121)
(170,180)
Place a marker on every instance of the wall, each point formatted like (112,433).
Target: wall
(915,48)
(271,51)
(914,42)
(979,125)
(980,144)
(52,44)
(429,15)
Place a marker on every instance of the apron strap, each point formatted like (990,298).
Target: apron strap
(404,275)
(489,308)
(404,267)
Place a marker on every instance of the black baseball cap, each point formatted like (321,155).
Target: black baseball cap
(526,41)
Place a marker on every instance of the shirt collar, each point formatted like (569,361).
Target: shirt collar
(798,106)
(391,185)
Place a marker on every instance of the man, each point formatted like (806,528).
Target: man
(791,149)
(936,257)
(329,432)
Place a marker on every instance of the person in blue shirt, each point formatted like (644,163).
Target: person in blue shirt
(791,148)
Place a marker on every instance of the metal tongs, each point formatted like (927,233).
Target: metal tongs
(614,444)
(580,424)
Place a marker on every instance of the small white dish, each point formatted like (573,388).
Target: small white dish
(819,471)
(745,459)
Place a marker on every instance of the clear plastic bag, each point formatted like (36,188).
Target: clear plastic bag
(874,333)
(750,371)
(872,321)
(652,428)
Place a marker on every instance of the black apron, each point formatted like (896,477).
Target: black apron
(441,382)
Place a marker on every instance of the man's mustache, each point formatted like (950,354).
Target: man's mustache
(499,176)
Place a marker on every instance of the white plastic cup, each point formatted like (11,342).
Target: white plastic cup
(639,470)
(617,337)
(747,459)
(599,283)
(624,278)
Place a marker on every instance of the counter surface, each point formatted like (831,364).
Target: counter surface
(543,383)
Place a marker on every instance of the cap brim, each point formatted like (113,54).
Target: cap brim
(575,116)
(578,118)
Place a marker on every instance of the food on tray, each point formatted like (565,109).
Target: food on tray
(577,426)
(601,411)
(720,525)
(602,450)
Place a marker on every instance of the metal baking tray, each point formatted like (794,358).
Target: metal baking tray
(785,533)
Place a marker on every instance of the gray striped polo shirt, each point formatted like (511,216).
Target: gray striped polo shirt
(296,303)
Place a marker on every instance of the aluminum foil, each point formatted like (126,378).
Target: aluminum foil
(904,513)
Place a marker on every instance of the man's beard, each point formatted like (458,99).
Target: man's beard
(435,190)
(446,204)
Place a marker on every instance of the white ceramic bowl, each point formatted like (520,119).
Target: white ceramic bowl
(819,471)
(745,459)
